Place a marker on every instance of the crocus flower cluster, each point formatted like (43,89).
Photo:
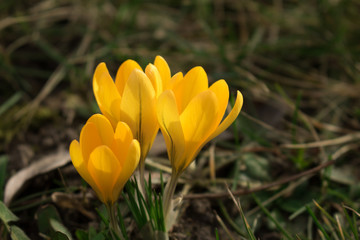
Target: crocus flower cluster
(134,106)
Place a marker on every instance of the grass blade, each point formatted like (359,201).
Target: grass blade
(321,229)
(267,213)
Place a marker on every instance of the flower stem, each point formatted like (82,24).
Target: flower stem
(169,193)
(114,227)
(142,178)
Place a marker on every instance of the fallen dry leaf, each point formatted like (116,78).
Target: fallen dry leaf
(45,164)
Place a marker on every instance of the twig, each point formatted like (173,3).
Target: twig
(241,192)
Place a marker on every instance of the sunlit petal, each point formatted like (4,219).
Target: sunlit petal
(164,71)
(175,80)
(171,128)
(221,89)
(138,109)
(153,74)
(124,72)
(130,162)
(105,171)
(197,121)
(89,140)
(230,118)
(194,82)
(105,91)
(122,140)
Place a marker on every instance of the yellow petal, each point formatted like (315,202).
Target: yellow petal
(124,72)
(89,140)
(104,129)
(131,161)
(80,165)
(194,82)
(221,89)
(115,112)
(122,140)
(198,122)
(153,74)
(230,118)
(138,109)
(105,92)
(178,77)
(105,171)
(164,71)
(169,121)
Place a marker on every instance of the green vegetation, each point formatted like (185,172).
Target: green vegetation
(292,156)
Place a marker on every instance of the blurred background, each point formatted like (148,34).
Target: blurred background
(297,64)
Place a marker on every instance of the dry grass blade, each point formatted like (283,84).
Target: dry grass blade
(339,227)
(353,210)
(344,149)
(53,81)
(157,165)
(324,143)
(238,206)
(265,125)
(55,14)
(212,162)
(223,225)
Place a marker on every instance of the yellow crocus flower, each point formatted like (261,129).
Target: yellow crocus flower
(132,97)
(105,158)
(190,115)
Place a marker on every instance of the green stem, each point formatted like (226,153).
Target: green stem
(114,227)
(169,193)
(142,178)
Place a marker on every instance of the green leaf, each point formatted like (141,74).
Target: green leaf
(81,234)
(92,232)
(256,167)
(17,234)
(44,215)
(99,236)
(10,102)
(6,215)
(3,162)
(60,236)
(59,227)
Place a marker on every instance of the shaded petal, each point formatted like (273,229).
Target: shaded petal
(230,118)
(221,89)
(169,121)
(198,122)
(138,109)
(104,128)
(153,74)
(131,161)
(115,112)
(164,71)
(124,72)
(194,82)
(105,171)
(80,165)
(122,140)
(105,92)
